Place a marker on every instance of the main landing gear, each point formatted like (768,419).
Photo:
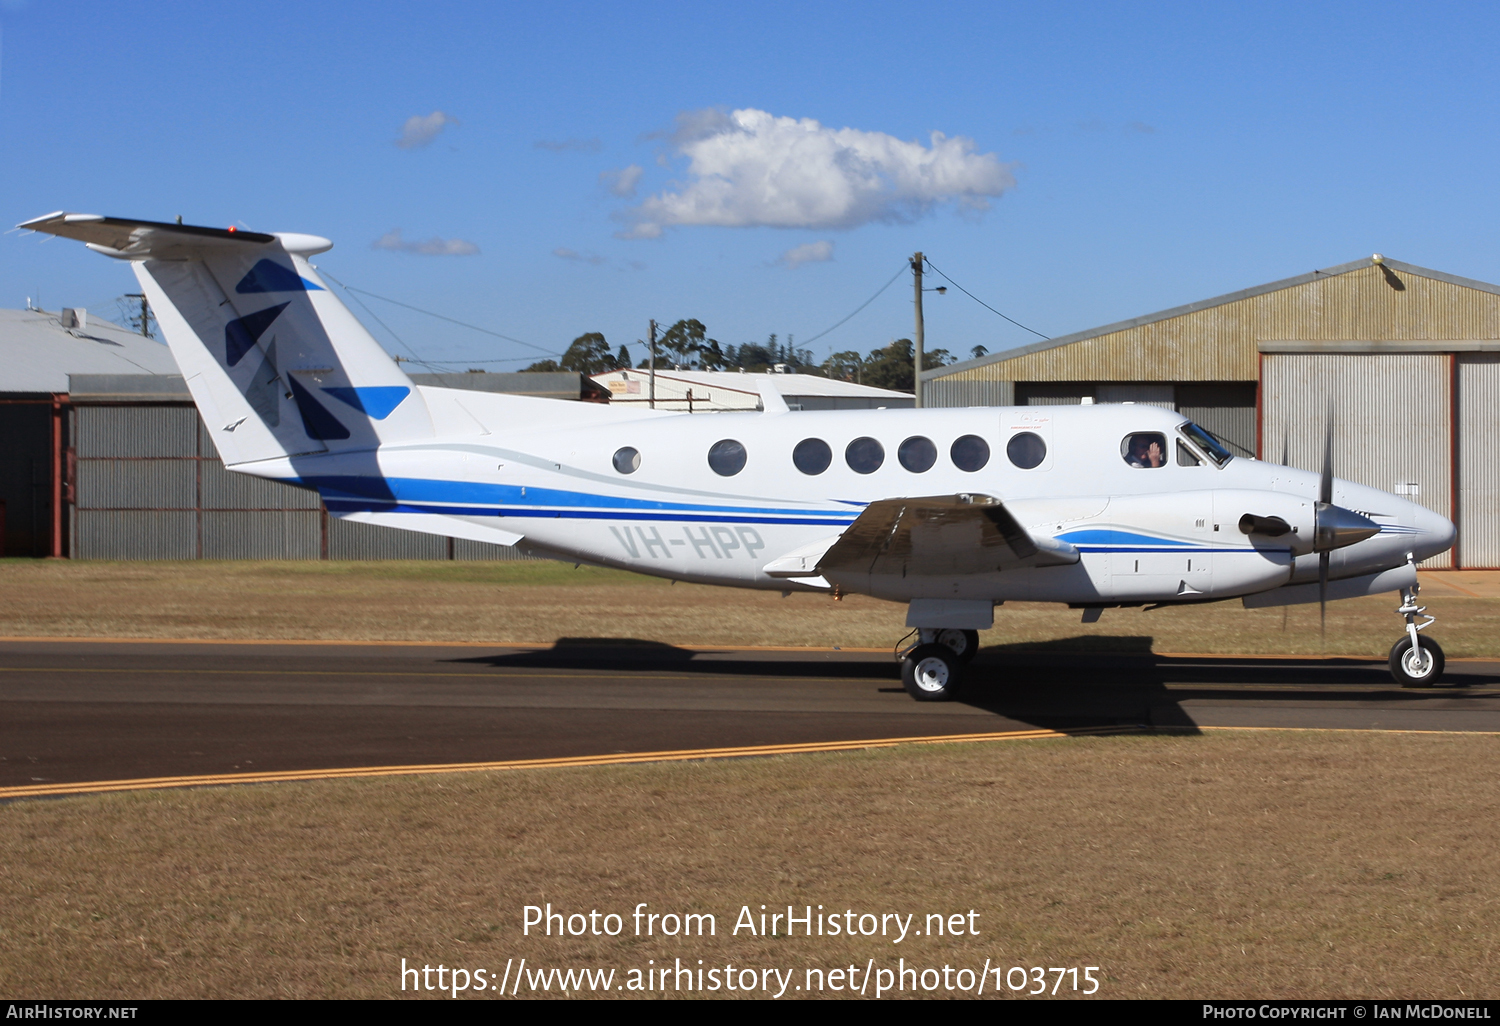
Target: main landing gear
(931,669)
(1416,662)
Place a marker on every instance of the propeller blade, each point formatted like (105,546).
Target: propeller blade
(1323,594)
(1325,484)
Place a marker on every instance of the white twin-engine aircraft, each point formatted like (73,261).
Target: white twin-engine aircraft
(951,511)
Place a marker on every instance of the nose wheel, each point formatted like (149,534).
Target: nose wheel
(1416,661)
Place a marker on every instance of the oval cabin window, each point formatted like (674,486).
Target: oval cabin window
(812,456)
(970,453)
(726,458)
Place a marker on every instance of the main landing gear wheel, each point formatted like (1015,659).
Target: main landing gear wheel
(965,644)
(1416,668)
(930,672)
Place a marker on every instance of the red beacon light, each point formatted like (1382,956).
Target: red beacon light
(232,228)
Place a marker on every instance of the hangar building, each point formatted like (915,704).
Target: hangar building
(104,457)
(1405,360)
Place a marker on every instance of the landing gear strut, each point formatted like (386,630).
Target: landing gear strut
(931,669)
(1416,662)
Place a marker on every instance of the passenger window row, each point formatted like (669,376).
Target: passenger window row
(865,455)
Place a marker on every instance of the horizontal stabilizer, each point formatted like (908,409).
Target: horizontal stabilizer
(141,240)
(436,523)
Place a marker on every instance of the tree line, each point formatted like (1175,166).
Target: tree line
(686,344)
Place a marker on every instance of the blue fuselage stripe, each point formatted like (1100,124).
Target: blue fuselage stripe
(405,490)
(565,513)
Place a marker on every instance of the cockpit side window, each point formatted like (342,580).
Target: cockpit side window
(1145,449)
(1206,442)
(1186,456)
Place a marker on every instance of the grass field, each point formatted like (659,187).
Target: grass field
(544,601)
(1236,864)
(1232,864)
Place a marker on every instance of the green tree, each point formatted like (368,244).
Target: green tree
(894,365)
(541,367)
(684,341)
(622,358)
(711,357)
(589,354)
(891,366)
(845,366)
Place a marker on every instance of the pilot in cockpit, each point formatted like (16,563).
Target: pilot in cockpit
(1146,449)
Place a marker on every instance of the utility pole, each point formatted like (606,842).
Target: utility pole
(145,312)
(916,278)
(652,389)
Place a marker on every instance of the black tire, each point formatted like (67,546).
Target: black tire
(1404,663)
(930,673)
(965,644)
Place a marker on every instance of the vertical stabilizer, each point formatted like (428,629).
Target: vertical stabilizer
(277,365)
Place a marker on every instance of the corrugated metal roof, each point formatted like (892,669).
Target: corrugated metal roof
(1215,339)
(37,353)
(789,385)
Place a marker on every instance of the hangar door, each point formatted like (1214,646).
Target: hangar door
(1479,460)
(1392,421)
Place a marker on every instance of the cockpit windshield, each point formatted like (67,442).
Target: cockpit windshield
(1210,445)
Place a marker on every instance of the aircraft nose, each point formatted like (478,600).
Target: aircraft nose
(1435,533)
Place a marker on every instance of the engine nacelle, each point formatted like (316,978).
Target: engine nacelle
(1270,520)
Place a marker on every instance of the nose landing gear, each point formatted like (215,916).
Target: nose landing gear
(931,669)
(1416,662)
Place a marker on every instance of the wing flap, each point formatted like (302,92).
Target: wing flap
(940,535)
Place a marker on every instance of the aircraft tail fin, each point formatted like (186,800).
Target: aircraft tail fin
(277,365)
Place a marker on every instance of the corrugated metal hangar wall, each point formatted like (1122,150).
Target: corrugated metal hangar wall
(1403,359)
(144,482)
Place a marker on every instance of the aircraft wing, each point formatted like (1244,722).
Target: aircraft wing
(940,535)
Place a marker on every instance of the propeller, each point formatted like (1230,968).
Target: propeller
(1333,526)
(1325,501)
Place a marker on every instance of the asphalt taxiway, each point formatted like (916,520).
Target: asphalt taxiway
(88,711)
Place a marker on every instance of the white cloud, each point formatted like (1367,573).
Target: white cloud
(573,254)
(434,246)
(622,182)
(750,168)
(564,145)
(807,253)
(419,131)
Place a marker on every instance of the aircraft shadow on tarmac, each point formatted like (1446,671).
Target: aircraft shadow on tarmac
(1085,681)
(645,656)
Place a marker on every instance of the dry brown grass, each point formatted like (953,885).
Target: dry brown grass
(1231,865)
(540,602)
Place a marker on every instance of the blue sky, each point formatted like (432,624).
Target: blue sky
(1101,160)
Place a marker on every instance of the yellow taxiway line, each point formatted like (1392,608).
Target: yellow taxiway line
(628,758)
(618,759)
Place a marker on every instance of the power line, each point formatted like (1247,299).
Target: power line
(363,306)
(987,306)
(810,341)
(441,317)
